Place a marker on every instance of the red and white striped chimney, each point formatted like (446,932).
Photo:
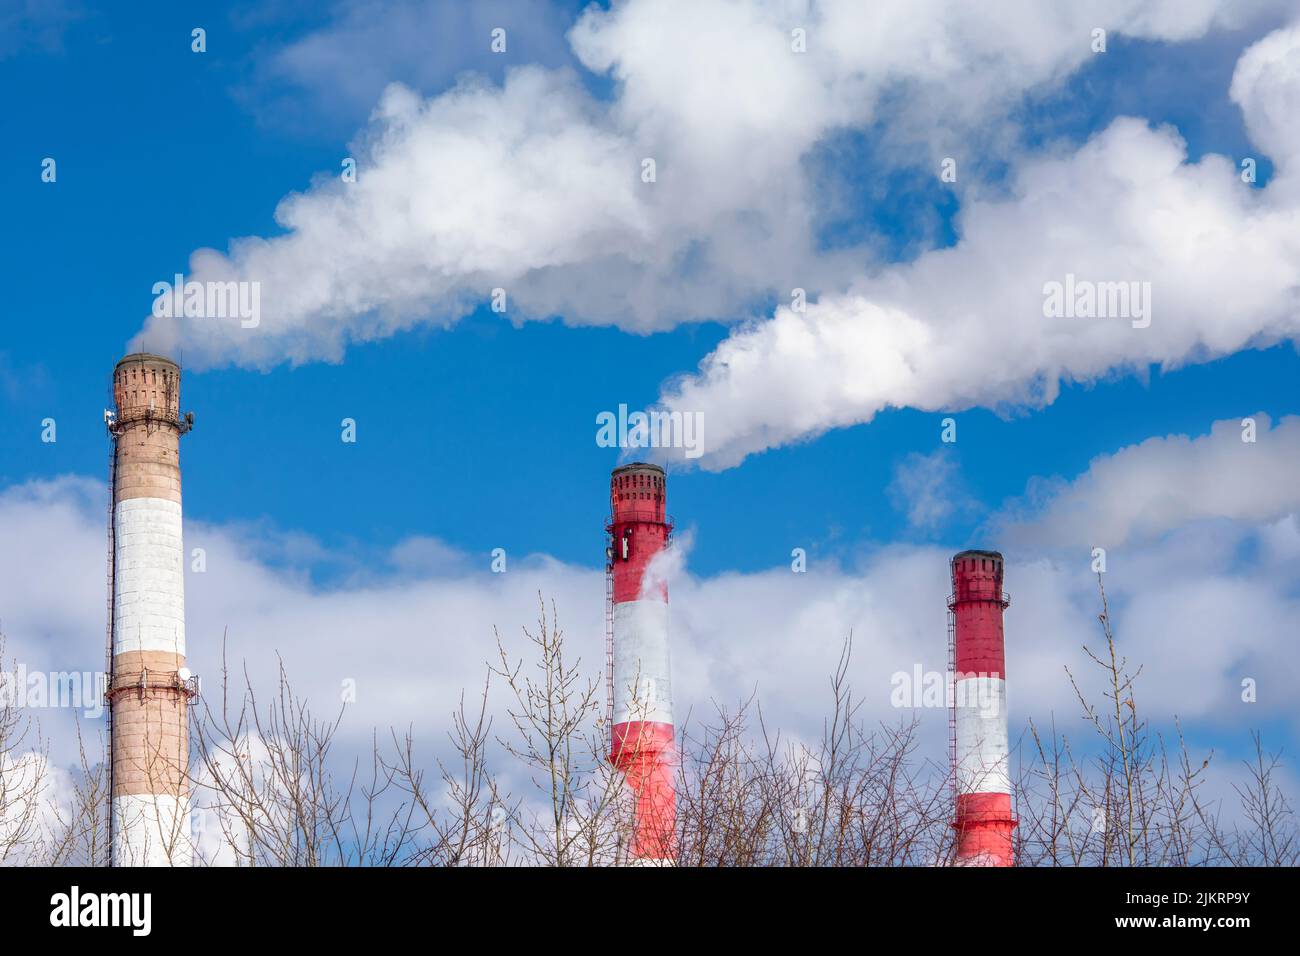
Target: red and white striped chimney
(642,741)
(981,769)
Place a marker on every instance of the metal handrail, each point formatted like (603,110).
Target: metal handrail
(150,416)
(646,517)
(1003,598)
(145,680)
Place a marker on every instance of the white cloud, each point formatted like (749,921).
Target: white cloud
(27,26)
(534,186)
(1185,607)
(1148,489)
(927,488)
(1266,84)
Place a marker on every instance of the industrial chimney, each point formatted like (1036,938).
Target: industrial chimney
(149,688)
(981,772)
(642,743)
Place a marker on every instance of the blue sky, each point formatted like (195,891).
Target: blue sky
(479,431)
(464,421)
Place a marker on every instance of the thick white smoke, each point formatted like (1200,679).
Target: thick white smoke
(536,188)
(966,326)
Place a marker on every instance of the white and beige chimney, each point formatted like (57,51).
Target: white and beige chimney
(149,688)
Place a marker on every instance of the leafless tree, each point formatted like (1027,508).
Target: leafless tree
(1135,798)
(265,772)
(23,760)
(559,741)
(859,796)
(79,834)
(471,827)
(273,792)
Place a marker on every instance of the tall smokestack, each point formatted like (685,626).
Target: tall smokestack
(642,745)
(149,688)
(981,770)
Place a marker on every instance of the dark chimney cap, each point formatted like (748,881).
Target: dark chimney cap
(141,357)
(637,466)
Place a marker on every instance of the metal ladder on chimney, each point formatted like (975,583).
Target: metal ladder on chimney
(952,697)
(609,642)
(108,649)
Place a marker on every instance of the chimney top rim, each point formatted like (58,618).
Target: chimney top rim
(637,466)
(977,553)
(143,357)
